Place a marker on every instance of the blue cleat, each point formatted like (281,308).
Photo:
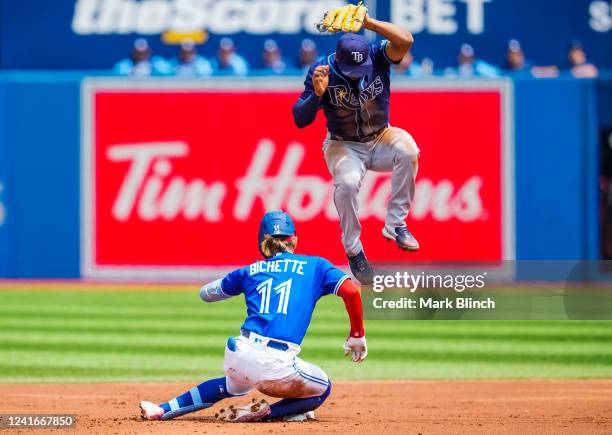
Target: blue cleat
(403,238)
(361,269)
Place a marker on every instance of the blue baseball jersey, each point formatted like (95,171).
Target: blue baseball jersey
(355,108)
(281,293)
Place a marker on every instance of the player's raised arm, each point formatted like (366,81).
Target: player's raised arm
(356,342)
(315,85)
(400,40)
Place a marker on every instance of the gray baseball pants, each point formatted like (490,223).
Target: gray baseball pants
(395,151)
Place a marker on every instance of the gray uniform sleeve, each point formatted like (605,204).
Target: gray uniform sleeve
(212,292)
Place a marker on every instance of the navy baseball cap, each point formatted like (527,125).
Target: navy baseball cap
(353,56)
(275,223)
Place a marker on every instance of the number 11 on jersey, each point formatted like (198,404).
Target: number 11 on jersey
(265,289)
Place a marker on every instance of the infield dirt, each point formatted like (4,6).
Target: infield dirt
(426,407)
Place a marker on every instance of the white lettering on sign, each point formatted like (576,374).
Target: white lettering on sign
(152,191)
(150,188)
(2,207)
(438,17)
(601,16)
(150,17)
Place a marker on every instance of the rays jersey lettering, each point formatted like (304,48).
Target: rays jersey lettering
(341,96)
(281,293)
(355,108)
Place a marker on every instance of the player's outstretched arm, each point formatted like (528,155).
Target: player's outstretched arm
(400,40)
(356,342)
(212,292)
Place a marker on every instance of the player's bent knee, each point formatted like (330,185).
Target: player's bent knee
(348,185)
(323,397)
(408,153)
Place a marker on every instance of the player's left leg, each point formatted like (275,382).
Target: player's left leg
(396,151)
(199,397)
(207,393)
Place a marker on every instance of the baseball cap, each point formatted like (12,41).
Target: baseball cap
(275,223)
(308,45)
(353,56)
(226,44)
(467,50)
(514,46)
(575,44)
(187,45)
(270,45)
(141,44)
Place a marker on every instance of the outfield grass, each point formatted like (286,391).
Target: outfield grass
(101,336)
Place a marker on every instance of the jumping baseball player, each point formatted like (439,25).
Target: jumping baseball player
(280,292)
(352,86)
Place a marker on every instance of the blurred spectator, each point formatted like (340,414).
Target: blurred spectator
(228,62)
(515,58)
(518,65)
(189,63)
(308,54)
(470,66)
(578,63)
(272,58)
(142,63)
(409,67)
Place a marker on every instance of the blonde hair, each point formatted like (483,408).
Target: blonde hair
(270,246)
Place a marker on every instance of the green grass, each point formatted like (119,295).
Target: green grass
(104,336)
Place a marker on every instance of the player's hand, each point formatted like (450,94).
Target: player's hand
(357,347)
(320,79)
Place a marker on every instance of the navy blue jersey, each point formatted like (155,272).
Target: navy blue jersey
(353,108)
(281,293)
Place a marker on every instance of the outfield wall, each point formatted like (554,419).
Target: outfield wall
(552,196)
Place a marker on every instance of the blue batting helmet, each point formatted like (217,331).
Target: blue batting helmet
(275,223)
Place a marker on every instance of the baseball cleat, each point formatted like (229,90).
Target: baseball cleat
(254,411)
(403,238)
(150,411)
(361,269)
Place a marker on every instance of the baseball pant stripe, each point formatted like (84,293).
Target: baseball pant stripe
(310,377)
(173,405)
(315,380)
(195,396)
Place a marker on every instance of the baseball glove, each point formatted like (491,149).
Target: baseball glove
(348,18)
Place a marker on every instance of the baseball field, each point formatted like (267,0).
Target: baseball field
(95,350)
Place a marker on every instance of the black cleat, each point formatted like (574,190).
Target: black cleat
(404,239)
(361,269)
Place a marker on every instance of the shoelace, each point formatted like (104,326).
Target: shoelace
(403,232)
(360,262)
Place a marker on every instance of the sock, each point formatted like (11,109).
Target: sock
(202,396)
(286,407)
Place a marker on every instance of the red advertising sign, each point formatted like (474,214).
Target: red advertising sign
(176,180)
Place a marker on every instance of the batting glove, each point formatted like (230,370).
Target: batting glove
(357,347)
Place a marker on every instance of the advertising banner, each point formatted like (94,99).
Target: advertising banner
(176,176)
(95,34)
